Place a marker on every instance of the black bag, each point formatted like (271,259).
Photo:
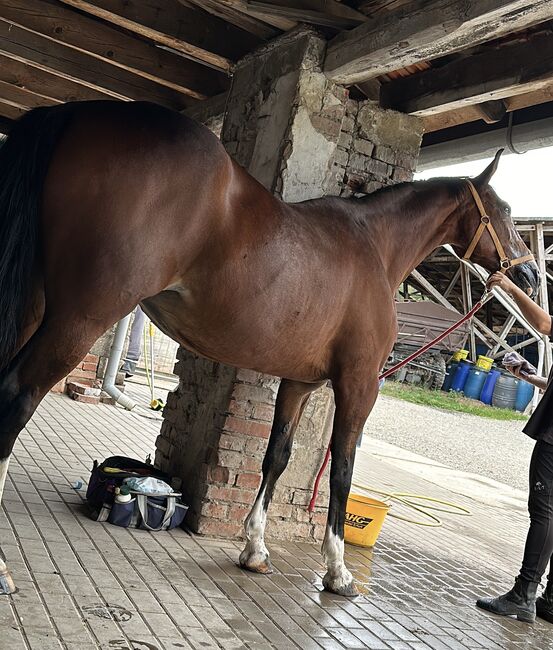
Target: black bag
(142,511)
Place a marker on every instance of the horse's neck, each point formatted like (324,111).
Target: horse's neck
(411,225)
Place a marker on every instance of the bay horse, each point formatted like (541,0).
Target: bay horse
(106,205)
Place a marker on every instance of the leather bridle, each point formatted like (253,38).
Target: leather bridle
(485,224)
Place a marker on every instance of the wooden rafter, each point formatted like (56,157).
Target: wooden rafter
(422,31)
(23,98)
(472,113)
(491,74)
(11,112)
(101,41)
(228,11)
(193,32)
(45,84)
(51,57)
(327,13)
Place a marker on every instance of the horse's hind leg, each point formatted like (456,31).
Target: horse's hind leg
(355,398)
(291,400)
(51,353)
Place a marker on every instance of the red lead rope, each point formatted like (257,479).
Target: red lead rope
(394,369)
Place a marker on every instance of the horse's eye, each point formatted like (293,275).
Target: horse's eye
(508,210)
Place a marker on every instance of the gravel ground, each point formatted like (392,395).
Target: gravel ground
(492,448)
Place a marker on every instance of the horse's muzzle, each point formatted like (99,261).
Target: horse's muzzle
(527,277)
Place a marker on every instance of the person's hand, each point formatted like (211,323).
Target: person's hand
(502,281)
(514,370)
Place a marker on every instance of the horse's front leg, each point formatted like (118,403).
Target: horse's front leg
(291,400)
(355,398)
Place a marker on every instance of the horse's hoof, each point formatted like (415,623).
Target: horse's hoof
(343,585)
(7,585)
(256,562)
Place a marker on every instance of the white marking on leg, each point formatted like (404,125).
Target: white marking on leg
(255,552)
(3,474)
(337,576)
(6,583)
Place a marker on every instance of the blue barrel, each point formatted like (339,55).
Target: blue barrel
(475,382)
(449,373)
(489,385)
(525,392)
(505,391)
(460,376)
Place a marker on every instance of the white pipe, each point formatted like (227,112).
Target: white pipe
(114,362)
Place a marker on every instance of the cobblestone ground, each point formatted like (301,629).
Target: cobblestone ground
(84,585)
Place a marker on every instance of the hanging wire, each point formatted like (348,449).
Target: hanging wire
(510,144)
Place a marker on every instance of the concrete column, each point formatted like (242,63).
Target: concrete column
(301,137)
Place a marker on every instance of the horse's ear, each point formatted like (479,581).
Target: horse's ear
(487,174)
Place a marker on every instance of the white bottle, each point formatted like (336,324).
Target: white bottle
(122,494)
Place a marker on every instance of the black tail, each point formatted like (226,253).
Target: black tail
(24,159)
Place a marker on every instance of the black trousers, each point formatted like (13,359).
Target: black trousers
(539,542)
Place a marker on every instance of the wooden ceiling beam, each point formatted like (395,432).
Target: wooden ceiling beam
(238,18)
(326,13)
(23,98)
(43,83)
(490,74)
(54,58)
(426,30)
(193,32)
(446,120)
(10,112)
(113,46)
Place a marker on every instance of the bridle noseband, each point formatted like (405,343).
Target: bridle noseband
(486,224)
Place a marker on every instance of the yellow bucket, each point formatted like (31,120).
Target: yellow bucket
(364,519)
(460,355)
(484,362)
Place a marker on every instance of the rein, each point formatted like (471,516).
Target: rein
(505,264)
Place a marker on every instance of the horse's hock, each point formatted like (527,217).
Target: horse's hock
(301,137)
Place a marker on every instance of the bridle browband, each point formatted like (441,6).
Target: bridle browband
(486,224)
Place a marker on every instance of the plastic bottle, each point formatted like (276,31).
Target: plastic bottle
(525,392)
(449,374)
(460,376)
(489,385)
(475,382)
(122,494)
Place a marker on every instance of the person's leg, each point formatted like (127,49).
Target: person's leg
(521,600)
(544,604)
(539,542)
(135,342)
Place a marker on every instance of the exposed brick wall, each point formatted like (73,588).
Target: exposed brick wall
(85,373)
(214,436)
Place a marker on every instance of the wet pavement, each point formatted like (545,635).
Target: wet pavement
(85,585)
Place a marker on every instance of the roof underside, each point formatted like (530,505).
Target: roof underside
(448,61)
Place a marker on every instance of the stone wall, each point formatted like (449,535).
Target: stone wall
(376,148)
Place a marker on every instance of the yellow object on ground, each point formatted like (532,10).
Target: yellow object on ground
(460,355)
(484,362)
(364,519)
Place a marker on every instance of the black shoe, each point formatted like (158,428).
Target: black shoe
(128,368)
(544,604)
(519,602)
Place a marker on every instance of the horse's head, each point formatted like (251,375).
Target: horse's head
(488,235)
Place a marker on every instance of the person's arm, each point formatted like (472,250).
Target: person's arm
(534,314)
(535,380)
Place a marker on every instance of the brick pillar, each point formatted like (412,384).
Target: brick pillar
(301,137)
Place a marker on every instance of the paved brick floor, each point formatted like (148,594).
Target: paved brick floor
(85,585)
